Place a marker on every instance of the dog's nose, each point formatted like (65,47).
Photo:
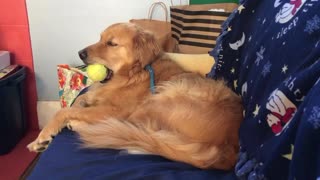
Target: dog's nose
(83,54)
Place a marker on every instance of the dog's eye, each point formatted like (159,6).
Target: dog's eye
(110,43)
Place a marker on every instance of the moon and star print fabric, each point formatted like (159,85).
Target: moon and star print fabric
(269,54)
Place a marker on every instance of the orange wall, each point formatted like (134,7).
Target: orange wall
(14,37)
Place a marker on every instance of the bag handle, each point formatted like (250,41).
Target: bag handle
(153,5)
(179,4)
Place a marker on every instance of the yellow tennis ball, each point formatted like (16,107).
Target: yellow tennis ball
(97,72)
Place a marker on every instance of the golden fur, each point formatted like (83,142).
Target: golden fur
(190,119)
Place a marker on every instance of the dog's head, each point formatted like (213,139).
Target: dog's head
(123,48)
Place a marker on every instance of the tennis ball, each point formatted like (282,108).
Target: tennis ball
(97,72)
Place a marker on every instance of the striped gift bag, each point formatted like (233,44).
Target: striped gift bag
(196,27)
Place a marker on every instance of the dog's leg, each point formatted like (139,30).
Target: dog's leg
(61,119)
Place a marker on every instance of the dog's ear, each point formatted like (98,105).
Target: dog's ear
(146,47)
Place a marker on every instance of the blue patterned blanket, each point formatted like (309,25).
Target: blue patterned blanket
(269,53)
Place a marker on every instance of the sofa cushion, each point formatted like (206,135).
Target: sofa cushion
(66,159)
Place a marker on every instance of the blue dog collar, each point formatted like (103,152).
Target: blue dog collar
(151,72)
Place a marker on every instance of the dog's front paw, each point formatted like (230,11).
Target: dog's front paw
(38,146)
(43,140)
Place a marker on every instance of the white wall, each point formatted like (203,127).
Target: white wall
(60,28)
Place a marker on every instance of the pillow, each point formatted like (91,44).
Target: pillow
(200,63)
(71,81)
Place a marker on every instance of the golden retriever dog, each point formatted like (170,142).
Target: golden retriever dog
(189,118)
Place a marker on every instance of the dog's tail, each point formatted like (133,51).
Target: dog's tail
(117,134)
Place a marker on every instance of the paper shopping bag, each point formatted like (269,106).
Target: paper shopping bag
(160,29)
